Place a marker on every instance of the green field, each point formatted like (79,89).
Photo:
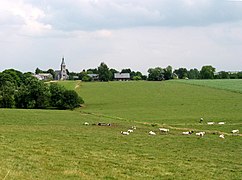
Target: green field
(234,85)
(50,144)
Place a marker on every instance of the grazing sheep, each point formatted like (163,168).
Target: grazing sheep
(210,123)
(221,123)
(187,132)
(86,123)
(134,127)
(164,130)
(201,134)
(103,124)
(130,130)
(152,133)
(221,136)
(201,120)
(235,131)
(124,133)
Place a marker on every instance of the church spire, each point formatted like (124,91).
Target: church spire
(63,60)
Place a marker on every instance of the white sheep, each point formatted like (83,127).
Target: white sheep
(124,133)
(86,123)
(164,130)
(201,134)
(235,131)
(221,136)
(210,123)
(134,127)
(130,131)
(221,123)
(187,132)
(201,120)
(152,133)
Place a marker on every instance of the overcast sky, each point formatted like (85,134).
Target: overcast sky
(136,34)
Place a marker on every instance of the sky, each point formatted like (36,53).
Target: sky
(123,34)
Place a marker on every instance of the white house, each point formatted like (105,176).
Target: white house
(122,76)
(43,76)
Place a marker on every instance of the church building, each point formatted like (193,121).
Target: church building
(61,74)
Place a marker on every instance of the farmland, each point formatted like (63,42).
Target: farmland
(234,85)
(51,144)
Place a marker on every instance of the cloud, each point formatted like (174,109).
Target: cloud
(41,17)
(23,18)
(105,14)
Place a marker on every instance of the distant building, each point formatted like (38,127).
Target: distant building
(62,73)
(94,77)
(43,76)
(122,76)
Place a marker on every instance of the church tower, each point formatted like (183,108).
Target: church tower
(63,72)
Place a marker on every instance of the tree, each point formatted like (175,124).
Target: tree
(81,74)
(56,95)
(193,74)
(12,75)
(21,97)
(38,71)
(144,77)
(155,74)
(104,73)
(73,76)
(71,99)
(7,95)
(32,94)
(239,75)
(136,75)
(92,71)
(181,73)
(26,91)
(6,78)
(87,78)
(52,72)
(137,78)
(113,71)
(223,75)
(207,72)
(126,70)
(64,99)
(168,73)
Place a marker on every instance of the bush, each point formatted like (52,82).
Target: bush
(64,99)
(71,99)
(137,78)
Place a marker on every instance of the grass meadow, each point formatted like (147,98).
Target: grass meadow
(51,144)
(234,85)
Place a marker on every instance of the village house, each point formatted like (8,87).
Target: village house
(122,76)
(43,76)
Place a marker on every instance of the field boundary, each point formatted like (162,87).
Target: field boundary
(203,85)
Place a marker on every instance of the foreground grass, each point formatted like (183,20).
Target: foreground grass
(37,144)
(49,144)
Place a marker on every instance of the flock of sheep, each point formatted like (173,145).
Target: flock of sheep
(166,131)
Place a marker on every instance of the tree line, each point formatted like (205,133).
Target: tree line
(22,90)
(156,74)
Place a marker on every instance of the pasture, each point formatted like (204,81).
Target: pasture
(234,85)
(50,144)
